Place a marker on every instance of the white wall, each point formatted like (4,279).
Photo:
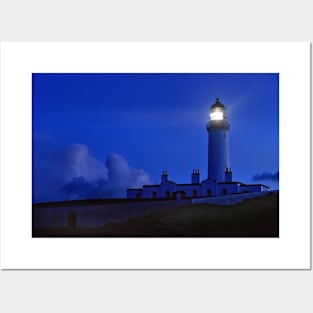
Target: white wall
(147,191)
(250,188)
(189,189)
(206,185)
(231,188)
(166,186)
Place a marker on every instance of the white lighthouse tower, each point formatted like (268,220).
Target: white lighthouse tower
(218,127)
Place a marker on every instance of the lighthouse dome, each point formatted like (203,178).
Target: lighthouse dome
(218,104)
(218,116)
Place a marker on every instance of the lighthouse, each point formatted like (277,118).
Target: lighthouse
(219,181)
(218,153)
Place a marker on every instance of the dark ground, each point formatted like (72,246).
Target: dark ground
(252,218)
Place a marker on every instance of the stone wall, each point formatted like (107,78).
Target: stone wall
(230,199)
(98,215)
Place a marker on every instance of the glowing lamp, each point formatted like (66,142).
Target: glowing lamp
(216,116)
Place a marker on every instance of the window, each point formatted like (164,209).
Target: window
(194,193)
(217,115)
(168,194)
(224,191)
(154,195)
(209,192)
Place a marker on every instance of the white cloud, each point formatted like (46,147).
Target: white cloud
(73,173)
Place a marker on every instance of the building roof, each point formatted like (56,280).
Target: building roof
(255,185)
(231,182)
(169,181)
(196,184)
(209,179)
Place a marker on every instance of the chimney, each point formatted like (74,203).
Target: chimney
(195,176)
(164,176)
(228,175)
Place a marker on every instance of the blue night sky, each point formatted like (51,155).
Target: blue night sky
(94,135)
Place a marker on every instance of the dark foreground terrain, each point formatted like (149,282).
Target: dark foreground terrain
(252,218)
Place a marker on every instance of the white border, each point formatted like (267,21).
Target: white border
(290,251)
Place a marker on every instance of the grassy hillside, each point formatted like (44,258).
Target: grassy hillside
(251,218)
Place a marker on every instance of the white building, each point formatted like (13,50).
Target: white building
(219,181)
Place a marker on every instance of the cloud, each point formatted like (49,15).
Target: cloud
(266,176)
(78,187)
(73,173)
(120,173)
(77,161)
(120,177)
